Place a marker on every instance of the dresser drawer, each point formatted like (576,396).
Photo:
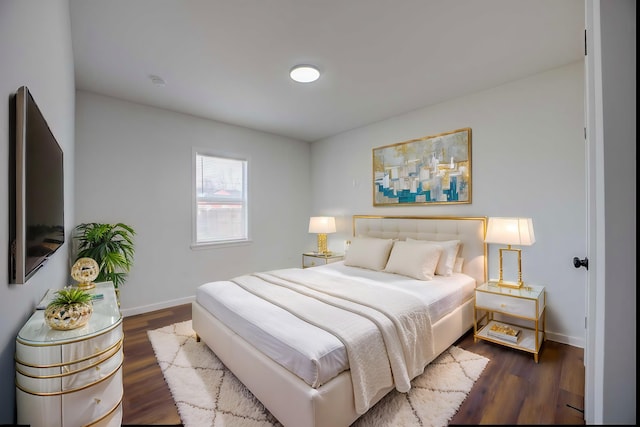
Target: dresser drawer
(68,353)
(64,378)
(309,260)
(80,351)
(93,374)
(88,405)
(521,307)
(113,419)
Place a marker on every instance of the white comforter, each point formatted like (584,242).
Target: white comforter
(391,353)
(310,352)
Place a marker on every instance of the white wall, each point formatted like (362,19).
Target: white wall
(528,159)
(134,166)
(35,50)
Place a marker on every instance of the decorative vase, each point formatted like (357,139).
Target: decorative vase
(85,271)
(68,316)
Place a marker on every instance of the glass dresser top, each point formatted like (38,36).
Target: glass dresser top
(106,314)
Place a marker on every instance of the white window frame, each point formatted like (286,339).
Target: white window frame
(195,244)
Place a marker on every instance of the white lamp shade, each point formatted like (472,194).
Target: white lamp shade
(322,224)
(510,231)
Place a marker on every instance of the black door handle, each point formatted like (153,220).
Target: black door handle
(577,262)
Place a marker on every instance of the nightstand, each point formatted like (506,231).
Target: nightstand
(311,259)
(527,303)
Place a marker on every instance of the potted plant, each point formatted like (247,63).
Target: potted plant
(70,309)
(111,245)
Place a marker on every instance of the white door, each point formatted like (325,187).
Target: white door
(593,356)
(610,106)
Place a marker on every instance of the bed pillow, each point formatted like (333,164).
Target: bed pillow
(414,260)
(450,250)
(368,252)
(457,267)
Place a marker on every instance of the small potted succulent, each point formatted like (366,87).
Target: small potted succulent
(70,309)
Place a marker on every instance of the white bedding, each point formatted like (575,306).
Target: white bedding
(313,354)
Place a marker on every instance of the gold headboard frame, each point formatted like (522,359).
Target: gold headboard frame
(469,230)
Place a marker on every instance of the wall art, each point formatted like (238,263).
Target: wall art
(425,171)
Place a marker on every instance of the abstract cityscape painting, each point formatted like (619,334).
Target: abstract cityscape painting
(425,171)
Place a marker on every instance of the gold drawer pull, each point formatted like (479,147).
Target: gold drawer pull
(503,305)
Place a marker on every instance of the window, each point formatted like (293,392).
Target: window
(220,200)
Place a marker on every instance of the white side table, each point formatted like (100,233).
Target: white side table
(311,259)
(527,303)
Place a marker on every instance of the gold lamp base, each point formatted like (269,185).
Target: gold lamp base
(513,285)
(322,245)
(507,284)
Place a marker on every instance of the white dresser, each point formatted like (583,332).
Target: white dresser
(72,378)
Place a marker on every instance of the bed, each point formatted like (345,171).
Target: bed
(300,340)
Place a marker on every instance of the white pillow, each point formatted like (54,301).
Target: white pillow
(368,252)
(449,254)
(414,260)
(457,267)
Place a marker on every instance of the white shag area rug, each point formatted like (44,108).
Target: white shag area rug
(208,394)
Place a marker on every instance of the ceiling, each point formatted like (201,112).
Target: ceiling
(228,60)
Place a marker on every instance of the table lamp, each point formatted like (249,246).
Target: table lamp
(322,225)
(510,231)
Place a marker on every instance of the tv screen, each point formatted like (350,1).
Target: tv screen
(37,227)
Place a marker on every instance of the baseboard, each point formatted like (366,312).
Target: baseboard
(565,339)
(158,306)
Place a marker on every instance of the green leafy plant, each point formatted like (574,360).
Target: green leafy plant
(69,296)
(111,245)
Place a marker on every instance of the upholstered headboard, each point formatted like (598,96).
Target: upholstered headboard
(469,230)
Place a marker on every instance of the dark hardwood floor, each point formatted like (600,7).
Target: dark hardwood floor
(513,389)
(147,400)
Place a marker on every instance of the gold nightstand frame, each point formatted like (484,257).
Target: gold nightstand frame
(501,281)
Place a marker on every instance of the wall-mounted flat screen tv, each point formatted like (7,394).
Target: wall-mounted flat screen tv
(36,193)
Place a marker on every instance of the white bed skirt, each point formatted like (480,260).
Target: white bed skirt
(292,401)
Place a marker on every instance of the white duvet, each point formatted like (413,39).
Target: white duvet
(331,318)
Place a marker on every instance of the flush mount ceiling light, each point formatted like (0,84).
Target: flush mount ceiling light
(304,73)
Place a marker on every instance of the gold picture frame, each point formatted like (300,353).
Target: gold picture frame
(432,170)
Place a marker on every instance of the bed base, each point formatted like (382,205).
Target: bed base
(292,401)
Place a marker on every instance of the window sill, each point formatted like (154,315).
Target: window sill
(218,245)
